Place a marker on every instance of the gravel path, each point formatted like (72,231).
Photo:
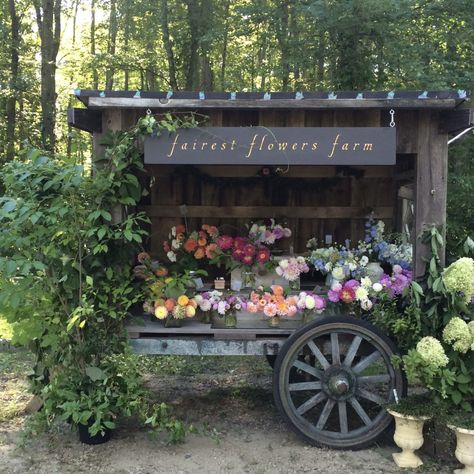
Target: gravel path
(237,430)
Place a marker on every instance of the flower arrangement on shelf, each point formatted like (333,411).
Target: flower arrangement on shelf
(291,269)
(366,293)
(166,296)
(378,248)
(272,303)
(267,232)
(310,304)
(235,252)
(186,249)
(223,305)
(338,262)
(174,310)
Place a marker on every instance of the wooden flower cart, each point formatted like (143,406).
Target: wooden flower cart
(322,162)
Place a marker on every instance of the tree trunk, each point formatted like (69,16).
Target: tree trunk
(168,45)
(192,75)
(126,39)
(282,38)
(48,17)
(224,46)
(71,79)
(95,76)
(14,61)
(109,75)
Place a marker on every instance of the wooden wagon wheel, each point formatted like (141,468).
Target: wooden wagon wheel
(331,378)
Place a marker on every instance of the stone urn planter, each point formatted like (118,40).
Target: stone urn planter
(409,437)
(374,271)
(464,449)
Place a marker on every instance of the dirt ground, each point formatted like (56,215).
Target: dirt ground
(237,430)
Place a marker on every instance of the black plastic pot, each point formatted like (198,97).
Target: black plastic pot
(99,438)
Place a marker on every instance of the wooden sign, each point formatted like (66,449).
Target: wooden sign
(274,146)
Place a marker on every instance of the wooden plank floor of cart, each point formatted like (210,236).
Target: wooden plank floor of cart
(196,338)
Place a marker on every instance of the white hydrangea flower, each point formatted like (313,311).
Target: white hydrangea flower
(364,261)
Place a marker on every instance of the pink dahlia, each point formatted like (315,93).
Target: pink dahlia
(238,254)
(334,296)
(270,310)
(249,250)
(240,242)
(247,260)
(347,295)
(319,302)
(225,242)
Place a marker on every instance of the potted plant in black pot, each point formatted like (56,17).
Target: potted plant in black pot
(93,399)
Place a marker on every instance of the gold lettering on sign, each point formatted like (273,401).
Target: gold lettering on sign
(252,144)
(334,145)
(173,145)
(367,146)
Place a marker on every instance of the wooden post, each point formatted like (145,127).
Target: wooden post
(431,182)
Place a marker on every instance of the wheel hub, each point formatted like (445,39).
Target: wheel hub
(339,383)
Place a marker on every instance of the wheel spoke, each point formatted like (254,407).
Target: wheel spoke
(366,362)
(352,351)
(307,368)
(310,403)
(360,411)
(370,396)
(336,355)
(304,386)
(318,354)
(323,418)
(342,407)
(381,378)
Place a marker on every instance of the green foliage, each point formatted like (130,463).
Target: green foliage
(400,319)
(67,243)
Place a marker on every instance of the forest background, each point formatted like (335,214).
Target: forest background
(52,47)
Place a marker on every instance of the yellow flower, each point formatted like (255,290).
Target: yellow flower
(183,300)
(161,312)
(190,311)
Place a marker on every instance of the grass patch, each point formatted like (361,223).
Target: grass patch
(14,367)
(5,329)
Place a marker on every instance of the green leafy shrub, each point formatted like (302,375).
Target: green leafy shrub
(68,241)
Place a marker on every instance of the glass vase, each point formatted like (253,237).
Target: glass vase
(172,323)
(274,322)
(295,285)
(308,316)
(248,279)
(230,319)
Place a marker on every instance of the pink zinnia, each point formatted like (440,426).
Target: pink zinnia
(225,242)
(270,310)
(263,255)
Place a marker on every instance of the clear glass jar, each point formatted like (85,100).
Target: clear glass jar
(248,279)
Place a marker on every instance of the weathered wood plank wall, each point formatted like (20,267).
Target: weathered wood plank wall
(313,201)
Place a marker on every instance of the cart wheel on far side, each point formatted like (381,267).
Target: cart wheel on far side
(331,379)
